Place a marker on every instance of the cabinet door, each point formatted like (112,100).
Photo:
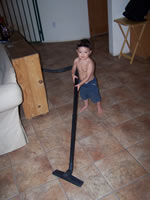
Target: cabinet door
(98,19)
(29,76)
(143,49)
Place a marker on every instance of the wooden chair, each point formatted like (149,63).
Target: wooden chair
(131,24)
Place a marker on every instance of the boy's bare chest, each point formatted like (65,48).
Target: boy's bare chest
(82,66)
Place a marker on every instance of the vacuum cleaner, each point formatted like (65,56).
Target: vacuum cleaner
(67,176)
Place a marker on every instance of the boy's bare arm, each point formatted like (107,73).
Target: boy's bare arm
(74,70)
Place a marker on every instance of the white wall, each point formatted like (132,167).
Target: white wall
(64,20)
(115,10)
(21,20)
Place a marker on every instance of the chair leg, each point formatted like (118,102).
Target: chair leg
(125,39)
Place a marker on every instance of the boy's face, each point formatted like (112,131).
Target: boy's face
(83,52)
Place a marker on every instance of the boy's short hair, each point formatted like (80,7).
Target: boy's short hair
(84,43)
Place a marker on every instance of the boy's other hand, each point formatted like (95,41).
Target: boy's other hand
(74,77)
(78,86)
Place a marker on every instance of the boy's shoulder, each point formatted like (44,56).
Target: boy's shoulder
(90,61)
(76,59)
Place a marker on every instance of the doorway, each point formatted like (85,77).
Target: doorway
(98,17)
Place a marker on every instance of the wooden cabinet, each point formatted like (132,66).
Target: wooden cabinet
(27,66)
(144,50)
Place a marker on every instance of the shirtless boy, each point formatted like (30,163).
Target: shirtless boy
(87,85)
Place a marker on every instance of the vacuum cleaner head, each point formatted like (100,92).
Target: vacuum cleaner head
(67,176)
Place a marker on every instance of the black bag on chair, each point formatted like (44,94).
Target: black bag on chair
(136,10)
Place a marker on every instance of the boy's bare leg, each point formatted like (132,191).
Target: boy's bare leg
(99,107)
(85,106)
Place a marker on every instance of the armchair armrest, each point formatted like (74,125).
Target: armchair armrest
(10,96)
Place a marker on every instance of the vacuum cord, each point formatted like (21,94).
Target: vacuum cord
(57,70)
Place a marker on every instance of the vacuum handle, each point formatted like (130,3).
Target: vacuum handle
(74,122)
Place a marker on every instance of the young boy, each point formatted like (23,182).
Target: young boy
(87,84)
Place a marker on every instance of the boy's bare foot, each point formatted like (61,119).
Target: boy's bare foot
(83,108)
(100,111)
(99,108)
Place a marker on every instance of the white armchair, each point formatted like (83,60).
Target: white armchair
(12,134)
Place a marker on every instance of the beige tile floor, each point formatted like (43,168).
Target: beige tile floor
(112,154)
